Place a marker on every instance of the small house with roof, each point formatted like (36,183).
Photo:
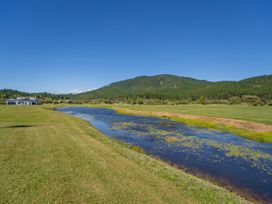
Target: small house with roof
(22,101)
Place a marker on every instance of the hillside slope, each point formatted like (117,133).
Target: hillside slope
(171,86)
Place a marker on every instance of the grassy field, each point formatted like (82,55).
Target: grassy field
(46,156)
(260,114)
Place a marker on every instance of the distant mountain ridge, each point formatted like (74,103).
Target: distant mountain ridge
(177,87)
(165,86)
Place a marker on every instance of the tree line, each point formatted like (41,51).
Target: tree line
(148,99)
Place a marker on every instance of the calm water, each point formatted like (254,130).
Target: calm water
(228,158)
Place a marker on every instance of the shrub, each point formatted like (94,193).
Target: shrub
(252,100)
(234,100)
(140,101)
(202,100)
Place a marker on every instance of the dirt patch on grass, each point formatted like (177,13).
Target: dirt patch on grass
(247,125)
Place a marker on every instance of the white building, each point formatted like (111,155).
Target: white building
(22,101)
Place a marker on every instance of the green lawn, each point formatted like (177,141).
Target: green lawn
(46,156)
(261,114)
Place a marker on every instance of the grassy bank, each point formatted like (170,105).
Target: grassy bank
(260,114)
(46,156)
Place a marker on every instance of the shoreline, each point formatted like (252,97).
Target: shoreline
(219,182)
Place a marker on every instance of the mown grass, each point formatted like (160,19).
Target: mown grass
(46,156)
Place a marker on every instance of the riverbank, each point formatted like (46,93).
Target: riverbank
(46,156)
(254,123)
(258,114)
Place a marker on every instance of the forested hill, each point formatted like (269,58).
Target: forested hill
(164,87)
(175,87)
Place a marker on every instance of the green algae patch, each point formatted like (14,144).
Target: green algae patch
(193,144)
(123,125)
(141,129)
(171,139)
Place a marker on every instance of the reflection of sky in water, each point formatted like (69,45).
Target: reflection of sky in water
(242,162)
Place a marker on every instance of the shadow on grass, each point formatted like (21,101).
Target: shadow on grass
(19,126)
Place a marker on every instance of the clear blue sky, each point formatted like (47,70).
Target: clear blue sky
(64,45)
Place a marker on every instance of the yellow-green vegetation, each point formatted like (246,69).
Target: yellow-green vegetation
(137,149)
(171,139)
(261,114)
(122,125)
(46,157)
(142,129)
(257,136)
(194,144)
